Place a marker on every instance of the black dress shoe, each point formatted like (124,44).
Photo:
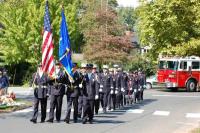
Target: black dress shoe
(84,121)
(34,121)
(79,115)
(66,121)
(75,121)
(90,122)
(50,121)
(42,121)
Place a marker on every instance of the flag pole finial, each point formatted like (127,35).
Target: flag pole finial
(62,5)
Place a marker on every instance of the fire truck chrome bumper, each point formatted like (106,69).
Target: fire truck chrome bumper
(170,84)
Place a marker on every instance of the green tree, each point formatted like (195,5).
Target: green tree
(169,25)
(113,3)
(21,33)
(22,20)
(128,16)
(104,34)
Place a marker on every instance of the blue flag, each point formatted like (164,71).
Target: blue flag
(64,48)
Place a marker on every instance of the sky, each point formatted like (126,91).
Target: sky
(128,3)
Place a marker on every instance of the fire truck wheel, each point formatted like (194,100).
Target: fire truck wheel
(191,86)
(148,86)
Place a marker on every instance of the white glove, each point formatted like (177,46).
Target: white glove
(101,86)
(80,86)
(66,87)
(71,81)
(116,92)
(139,89)
(135,90)
(122,89)
(100,90)
(111,92)
(96,97)
(131,88)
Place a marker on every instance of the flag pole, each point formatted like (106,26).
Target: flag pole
(62,5)
(55,72)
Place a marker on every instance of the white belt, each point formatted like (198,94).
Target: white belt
(42,86)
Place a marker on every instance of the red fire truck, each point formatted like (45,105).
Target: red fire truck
(179,72)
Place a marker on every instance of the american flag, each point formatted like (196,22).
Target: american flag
(48,65)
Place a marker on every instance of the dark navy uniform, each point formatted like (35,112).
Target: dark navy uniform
(118,92)
(80,98)
(40,95)
(124,87)
(73,92)
(57,90)
(89,92)
(112,95)
(99,101)
(97,97)
(106,83)
(142,83)
(135,87)
(130,89)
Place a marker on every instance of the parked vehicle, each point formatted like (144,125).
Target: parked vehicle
(152,82)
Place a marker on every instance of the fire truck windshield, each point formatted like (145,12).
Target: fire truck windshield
(171,65)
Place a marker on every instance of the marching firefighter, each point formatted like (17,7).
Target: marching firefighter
(118,90)
(57,91)
(130,89)
(124,87)
(89,94)
(80,98)
(112,95)
(40,83)
(106,84)
(97,87)
(135,86)
(73,91)
(142,84)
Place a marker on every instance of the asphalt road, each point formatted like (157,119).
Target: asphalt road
(160,112)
